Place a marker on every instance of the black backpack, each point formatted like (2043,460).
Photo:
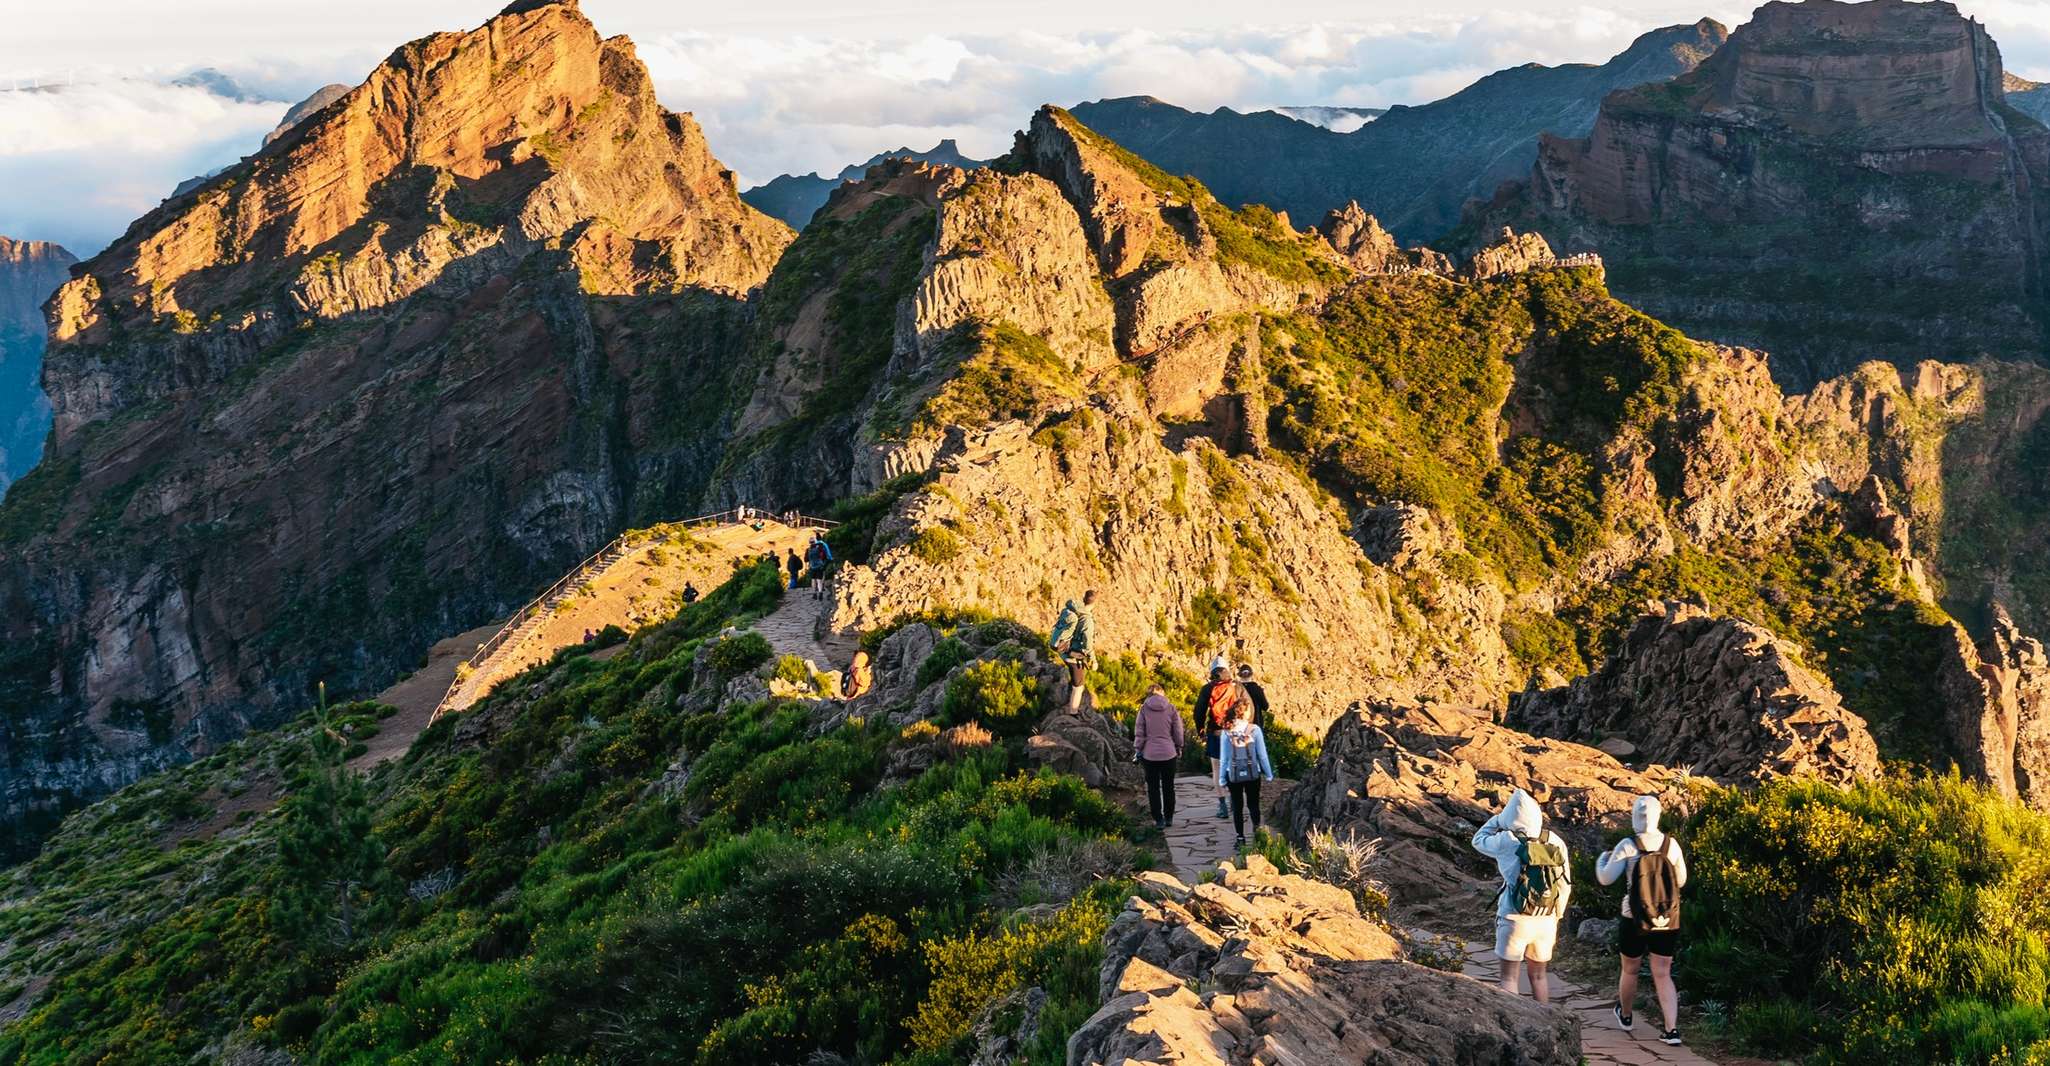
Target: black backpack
(1655,889)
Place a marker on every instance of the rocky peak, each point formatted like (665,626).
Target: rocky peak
(29,271)
(304,109)
(1890,72)
(1358,237)
(1836,178)
(1724,698)
(528,130)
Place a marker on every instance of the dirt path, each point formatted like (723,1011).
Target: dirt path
(1602,1041)
(416,697)
(640,587)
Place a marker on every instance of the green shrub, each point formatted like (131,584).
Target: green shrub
(937,545)
(1292,753)
(995,693)
(1898,920)
(946,655)
(739,653)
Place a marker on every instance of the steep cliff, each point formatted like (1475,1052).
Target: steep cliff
(372,383)
(1840,181)
(29,272)
(1412,167)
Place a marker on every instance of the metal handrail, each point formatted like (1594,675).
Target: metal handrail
(598,563)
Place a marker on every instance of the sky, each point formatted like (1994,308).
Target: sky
(99,119)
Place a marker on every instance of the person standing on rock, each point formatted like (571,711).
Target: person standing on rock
(1242,764)
(1157,743)
(1537,881)
(1654,870)
(690,594)
(796,567)
(1074,638)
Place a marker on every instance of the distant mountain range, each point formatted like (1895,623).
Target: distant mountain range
(795,198)
(1412,167)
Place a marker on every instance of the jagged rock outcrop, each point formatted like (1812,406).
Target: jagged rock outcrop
(1358,237)
(1422,778)
(29,272)
(371,386)
(1413,167)
(1722,698)
(1838,181)
(1263,967)
(1184,547)
(1997,709)
(1511,253)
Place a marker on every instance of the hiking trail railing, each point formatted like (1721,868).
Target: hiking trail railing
(590,569)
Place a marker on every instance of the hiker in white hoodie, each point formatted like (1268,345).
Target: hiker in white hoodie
(1638,935)
(1536,884)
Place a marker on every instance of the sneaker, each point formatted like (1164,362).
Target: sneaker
(1240,843)
(1670,1036)
(1627,1021)
(1221,811)
(1159,824)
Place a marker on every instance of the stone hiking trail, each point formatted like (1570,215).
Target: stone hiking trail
(1199,840)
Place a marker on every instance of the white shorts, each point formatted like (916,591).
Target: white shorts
(1521,937)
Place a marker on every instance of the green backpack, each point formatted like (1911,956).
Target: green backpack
(1540,886)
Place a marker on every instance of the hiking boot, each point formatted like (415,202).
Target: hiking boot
(1625,1020)
(1670,1036)
(1221,811)
(1239,843)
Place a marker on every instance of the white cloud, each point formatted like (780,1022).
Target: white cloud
(78,165)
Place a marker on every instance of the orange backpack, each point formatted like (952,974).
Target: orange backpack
(1225,699)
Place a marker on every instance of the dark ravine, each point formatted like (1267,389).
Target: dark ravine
(29,272)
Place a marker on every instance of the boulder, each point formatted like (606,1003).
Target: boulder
(1088,745)
(1724,698)
(1996,704)
(1423,778)
(1261,967)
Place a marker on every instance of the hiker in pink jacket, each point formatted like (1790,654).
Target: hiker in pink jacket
(1157,744)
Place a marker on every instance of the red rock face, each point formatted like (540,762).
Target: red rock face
(372,384)
(1839,181)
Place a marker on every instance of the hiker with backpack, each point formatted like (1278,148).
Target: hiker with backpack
(1537,881)
(1655,871)
(1157,744)
(818,558)
(796,567)
(1242,764)
(1074,639)
(1254,692)
(1217,705)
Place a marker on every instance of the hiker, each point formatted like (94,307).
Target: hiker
(818,558)
(1216,705)
(1536,883)
(1254,692)
(1655,871)
(1157,745)
(859,678)
(1074,638)
(796,567)
(690,593)
(1241,765)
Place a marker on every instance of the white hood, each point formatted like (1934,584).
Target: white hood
(1644,815)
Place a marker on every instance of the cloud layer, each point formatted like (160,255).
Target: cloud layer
(80,162)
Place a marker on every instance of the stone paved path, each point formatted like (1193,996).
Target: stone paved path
(1198,840)
(1602,1041)
(792,627)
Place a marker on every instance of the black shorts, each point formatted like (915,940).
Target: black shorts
(1635,943)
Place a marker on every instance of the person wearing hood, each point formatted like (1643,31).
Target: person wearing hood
(1653,871)
(1157,743)
(1536,885)
(1074,638)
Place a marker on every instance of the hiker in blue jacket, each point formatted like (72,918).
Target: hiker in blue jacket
(1242,764)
